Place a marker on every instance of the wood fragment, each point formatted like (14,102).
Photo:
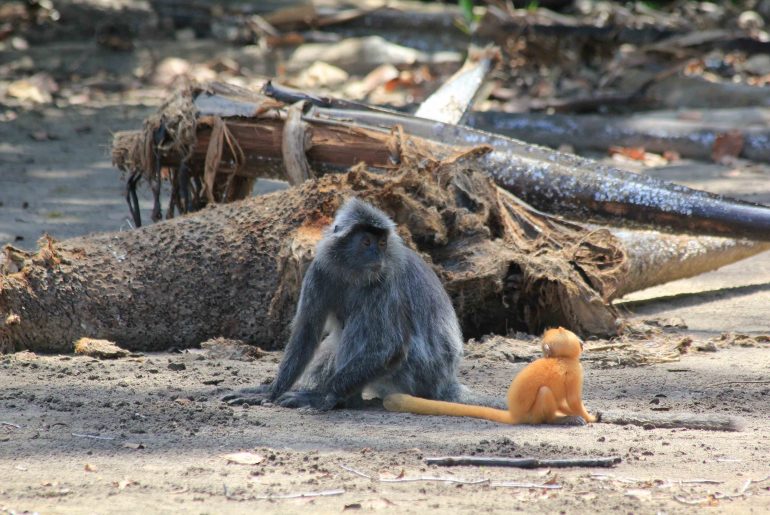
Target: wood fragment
(455,96)
(296,141)
(526,463)
(10,424)
(100,349)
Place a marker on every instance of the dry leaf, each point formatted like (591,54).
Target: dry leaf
(671,155)
(243,458)
(727,145)
(90,468)
(131,445)
(124,483)
(36,89)
(635,153)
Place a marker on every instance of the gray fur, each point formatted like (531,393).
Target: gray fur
(390,323)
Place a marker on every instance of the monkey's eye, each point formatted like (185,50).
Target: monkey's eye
(382,243)
(366,241)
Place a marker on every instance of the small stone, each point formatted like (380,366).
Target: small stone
(758,64)
(750,20)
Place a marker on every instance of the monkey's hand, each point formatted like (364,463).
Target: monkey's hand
(254,396)
(308,399)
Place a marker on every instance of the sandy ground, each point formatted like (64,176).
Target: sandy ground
(78,435)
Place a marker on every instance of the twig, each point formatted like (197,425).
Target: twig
(527,463)
(690,502)
(603,476)
(415,479)
(323,493)
(715,497)
(10,424)
(718,496)
(500,484)
(737,382)
(609,346)
(95,437)
(597,475)
(749,482)
(510,484)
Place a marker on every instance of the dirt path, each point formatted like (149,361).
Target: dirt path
(183,430)
(66,186)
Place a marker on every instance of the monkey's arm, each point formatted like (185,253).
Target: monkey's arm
(369,347)
(410,404)
(307,328)
(574,386)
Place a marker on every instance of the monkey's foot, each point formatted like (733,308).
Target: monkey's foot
(255,396)
(307,399)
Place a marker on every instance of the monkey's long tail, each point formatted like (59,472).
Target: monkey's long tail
(410,404)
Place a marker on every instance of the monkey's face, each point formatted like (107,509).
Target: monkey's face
(366,251)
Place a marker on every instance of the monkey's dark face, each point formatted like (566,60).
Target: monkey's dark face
(366,250)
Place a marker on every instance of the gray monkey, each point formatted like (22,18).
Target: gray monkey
(381,316)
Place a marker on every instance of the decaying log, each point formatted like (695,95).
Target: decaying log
(234,270)
(548,180)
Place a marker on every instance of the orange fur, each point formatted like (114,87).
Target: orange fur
(544,392)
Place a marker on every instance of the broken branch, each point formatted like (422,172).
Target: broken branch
(525,463)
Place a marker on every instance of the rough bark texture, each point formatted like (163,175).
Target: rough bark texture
(234,270)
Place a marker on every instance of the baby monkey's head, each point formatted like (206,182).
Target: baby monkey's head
(561,343)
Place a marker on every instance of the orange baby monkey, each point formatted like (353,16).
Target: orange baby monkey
(547,391)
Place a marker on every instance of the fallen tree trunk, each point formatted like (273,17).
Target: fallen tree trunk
(231,136)
(654,131)
(235,270)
